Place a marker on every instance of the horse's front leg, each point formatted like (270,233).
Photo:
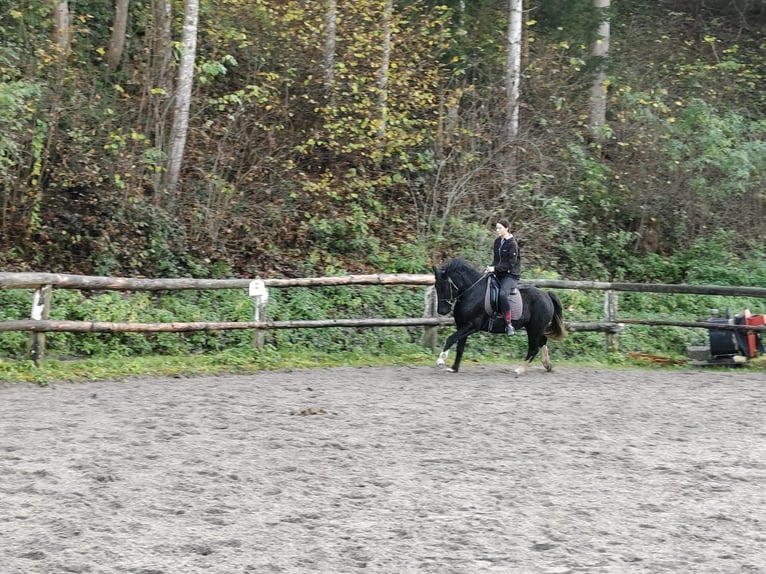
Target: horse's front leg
(458,355)
(458,336)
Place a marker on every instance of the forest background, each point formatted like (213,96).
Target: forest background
(285,174)
(337,137)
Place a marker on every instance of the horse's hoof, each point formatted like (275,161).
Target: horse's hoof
(451,370)
(548,368)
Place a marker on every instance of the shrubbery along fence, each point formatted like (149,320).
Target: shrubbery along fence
(43,283)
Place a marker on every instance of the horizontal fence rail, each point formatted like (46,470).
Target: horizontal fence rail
(36,280)
(178,327)
(62,281)
(60,326)
(43,283)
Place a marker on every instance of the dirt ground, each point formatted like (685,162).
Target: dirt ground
(387,470)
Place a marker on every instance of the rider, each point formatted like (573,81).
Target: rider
(506,265)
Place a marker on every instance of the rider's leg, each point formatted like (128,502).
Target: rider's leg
(507,284)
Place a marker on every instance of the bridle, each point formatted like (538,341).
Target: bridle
(454,291)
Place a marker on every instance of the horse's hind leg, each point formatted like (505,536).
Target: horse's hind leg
(522,368)
(535,342)
(546,358)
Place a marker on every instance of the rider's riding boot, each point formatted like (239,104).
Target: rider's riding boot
(509,330)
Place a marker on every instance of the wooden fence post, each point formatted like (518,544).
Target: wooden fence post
(260,295)
(41,304)
(430,333)
(610,316)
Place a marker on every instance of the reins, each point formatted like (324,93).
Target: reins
(458,294)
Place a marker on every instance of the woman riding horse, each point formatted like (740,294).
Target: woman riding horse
(463,290)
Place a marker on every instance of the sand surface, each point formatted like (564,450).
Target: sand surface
(387,470)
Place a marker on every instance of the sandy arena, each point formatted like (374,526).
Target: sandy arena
(388,470)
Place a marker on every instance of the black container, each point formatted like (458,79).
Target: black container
(723,342)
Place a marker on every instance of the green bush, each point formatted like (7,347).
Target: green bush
(15,304)
(341,302)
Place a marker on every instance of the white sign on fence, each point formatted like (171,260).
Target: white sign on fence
(258,288)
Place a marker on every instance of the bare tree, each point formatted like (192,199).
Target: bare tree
(513,67)
(156,101)
(182,102)
(600,51)
(62,26)
(329,51)
(383,71)
(162,46)
(117,40)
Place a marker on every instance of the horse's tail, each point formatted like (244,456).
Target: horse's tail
(556,330)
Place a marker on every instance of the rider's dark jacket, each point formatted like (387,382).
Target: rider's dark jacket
(507,259)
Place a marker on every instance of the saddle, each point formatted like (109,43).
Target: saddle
(491,301)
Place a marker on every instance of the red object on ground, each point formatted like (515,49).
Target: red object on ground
(752,345)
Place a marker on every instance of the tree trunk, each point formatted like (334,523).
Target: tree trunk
(162,46)
(383,71)
(117,40)
(600,51)
(513,68)
(329,52)
(158,84)
(62,26)
(179,129)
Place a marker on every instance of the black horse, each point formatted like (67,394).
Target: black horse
(462,289)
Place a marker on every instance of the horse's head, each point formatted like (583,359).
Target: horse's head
(453,279)
(446,290)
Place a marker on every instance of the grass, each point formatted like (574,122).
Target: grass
(121,368)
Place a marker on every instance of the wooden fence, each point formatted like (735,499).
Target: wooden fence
(44,283)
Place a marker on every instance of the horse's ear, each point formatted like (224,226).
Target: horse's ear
(436,271)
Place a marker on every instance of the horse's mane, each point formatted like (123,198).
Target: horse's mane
(460,266)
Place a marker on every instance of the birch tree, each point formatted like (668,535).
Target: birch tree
(62,26)
(513,67)
(600,51)
(385,62)
(329,51)
(182,102)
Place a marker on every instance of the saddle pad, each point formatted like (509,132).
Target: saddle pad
(491,304)
(517,305)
